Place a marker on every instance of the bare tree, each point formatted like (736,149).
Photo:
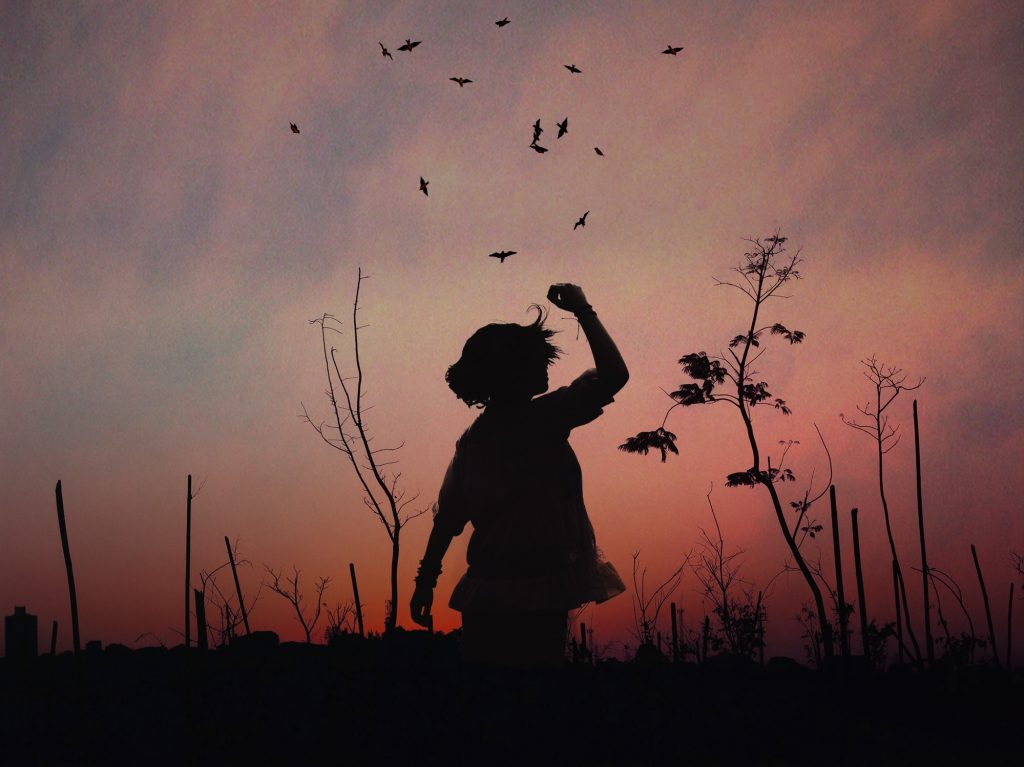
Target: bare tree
(739,618)
(290,591)
(647,606)
(341,619)
(351,435)
(888,381)
(763,272)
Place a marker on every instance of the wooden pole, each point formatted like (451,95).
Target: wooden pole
(844,638)
(53,639)
(861,598)
(675,635)
(899,615)
(359,606)
(706,638)
(929,644)
(1009,631)
(188,561)
(71,574)
(988,611)
(238,587)
(201,640)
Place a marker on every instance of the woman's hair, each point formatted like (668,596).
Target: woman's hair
(498,358)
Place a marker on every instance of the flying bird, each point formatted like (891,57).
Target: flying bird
(776,239)
(581,222)
(384,51)
(503,22)
(501,255)
(537,130)
(563,128)
(572,68)
(423,186)
(295,128)
(409,45)
(598,150)
(538,148)
(460,80)
(672,51)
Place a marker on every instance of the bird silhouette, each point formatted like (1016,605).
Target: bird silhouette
(503,22)
(672,51)
(598,150)
(423,186)
(409,45)
(572,68)
(460,80)
(538,148)
(537,130)
(563,128)
(776,239)
(581,222)
(501,255)
(384,51)
(295,128)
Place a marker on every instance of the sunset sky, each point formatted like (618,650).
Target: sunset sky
(165,240)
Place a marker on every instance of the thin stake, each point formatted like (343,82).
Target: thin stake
(844,639)
(188,562)
(359,606)
(988,612)
(924,556)
(675,635)
(238,587)
(201,640)
(71,574)
(53,639)
(899,615)
(1009,631)
(861,598)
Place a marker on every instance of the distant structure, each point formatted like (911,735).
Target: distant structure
(21,634)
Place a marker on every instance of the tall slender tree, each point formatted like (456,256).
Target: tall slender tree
(888,382)
(730,378)
(351,435)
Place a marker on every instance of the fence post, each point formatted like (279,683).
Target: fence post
(359,606)
(71,574)
(238,587)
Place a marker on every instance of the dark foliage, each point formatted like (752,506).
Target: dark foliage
(660,438)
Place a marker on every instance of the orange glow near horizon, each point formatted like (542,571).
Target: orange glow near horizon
(165,240)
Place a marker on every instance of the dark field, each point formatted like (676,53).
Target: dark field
(409,700)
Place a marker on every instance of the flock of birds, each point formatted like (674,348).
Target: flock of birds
(563,127)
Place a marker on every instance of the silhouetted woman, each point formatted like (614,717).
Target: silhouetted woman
(532,556)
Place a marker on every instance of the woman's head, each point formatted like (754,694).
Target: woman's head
(504,362)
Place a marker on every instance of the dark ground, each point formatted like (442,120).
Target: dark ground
(410,701)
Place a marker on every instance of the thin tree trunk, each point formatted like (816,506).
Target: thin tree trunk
(53,639)
(844,639)
(899,615)
(392,619)
(355,596)
(861,598)
(988,611)
(929,644)
(71,574)
(188,561)
(707,636)
(901,586)
(201,640)
(238,587)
